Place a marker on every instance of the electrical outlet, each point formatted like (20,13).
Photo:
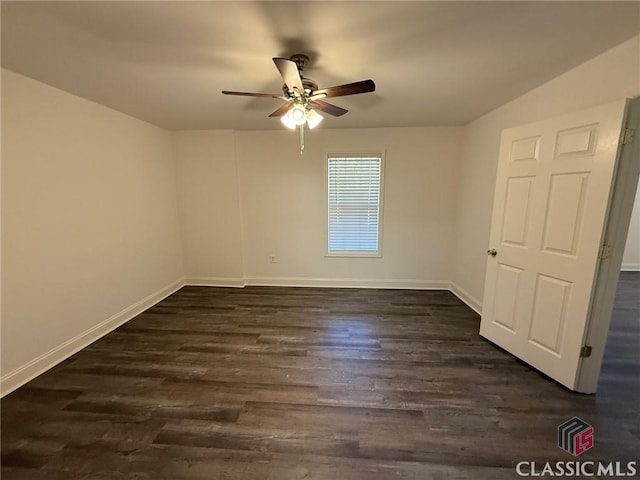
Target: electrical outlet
(272,258)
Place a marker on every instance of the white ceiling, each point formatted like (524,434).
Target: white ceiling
(434,63)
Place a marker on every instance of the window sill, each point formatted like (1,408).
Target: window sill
(354,254)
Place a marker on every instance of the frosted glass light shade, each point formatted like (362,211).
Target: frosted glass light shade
(298,114)
(294,117)
(313,118)
(287,122)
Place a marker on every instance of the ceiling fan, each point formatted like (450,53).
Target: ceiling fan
(303,97)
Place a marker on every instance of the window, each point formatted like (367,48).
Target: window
(354,187)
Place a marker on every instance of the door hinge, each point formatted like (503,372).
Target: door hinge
(604,252)
(627,136)
(585,351)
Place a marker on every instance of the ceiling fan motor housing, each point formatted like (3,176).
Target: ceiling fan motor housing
(308,84)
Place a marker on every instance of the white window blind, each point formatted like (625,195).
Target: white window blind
(354,204)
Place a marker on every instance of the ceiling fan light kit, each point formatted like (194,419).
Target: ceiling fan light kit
(299,115)
(303,97)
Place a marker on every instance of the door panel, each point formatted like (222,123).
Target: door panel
(578,141)
(552,191)
(565,212)
(525,149)
(516,212)
(508,285)
(549,312)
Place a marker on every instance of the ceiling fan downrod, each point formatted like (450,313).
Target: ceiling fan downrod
(301,61)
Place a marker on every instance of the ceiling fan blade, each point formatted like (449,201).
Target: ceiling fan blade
(364,86)
(328,108)
(250,94)
(289,71)
(282,110)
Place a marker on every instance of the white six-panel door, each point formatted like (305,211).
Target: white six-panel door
(552,192)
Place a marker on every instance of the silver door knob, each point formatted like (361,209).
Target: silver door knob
(493,252)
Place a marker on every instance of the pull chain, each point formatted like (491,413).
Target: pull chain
(301,139)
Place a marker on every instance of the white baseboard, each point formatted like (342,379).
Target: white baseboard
(466,297)
(30,370)
(463,295)
(215,282)
(347,283)
(630,267)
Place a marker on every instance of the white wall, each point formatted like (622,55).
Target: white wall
(610,76)
(284,206)
(90,231)
(282,202)
(631,257)
(209,206)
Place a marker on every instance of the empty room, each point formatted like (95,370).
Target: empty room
(320,240)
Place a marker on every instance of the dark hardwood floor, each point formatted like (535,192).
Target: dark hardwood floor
(285,383)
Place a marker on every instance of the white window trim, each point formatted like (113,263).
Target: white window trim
(381,155)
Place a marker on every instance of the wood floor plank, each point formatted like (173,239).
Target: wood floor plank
(305,383)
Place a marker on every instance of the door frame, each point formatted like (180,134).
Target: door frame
(621,203)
